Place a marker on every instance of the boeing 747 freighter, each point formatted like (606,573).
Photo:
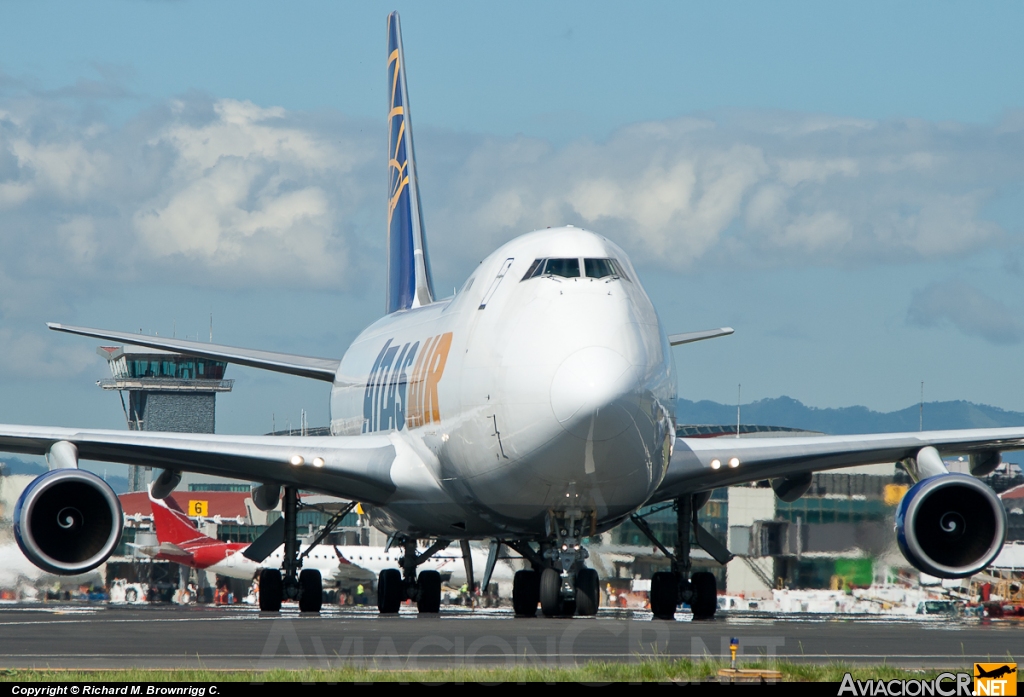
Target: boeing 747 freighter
(534,408)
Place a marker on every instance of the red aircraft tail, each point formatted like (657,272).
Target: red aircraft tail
(172,525)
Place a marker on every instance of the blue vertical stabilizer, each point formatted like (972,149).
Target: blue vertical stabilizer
(409,281)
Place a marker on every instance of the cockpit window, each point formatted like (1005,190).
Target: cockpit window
(534,269)
(566,268)
(599,268)
(570,268)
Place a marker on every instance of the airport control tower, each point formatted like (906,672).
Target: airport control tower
(166,392)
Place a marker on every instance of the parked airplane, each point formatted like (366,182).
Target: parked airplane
(179,540)
(534,408)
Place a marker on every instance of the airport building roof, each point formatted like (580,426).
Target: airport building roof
(1016,492)
(226,504)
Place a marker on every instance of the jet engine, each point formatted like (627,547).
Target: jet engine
(950,525)
(789,489)
(68,521)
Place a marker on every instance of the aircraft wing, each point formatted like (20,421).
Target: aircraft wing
(767,458)
(304,366)
(354,467)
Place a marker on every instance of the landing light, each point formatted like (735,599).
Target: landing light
(716,463)
(297,460)
(735,462)
(318,462)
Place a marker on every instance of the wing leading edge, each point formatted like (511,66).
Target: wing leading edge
(355,467)
(303,366)
(766,458)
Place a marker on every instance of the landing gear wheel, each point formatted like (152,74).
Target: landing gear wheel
(588,592)
(664,595)
(390,591)
(705,591)
(271,590)
(550,593)
(551,603)
(311,591)
(429,592)
(525,593)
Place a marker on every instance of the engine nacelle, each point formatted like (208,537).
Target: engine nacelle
(266,496)
(700,499)
(68,521)
(789,489)
(950,526)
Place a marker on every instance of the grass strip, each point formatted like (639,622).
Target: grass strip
(645,670)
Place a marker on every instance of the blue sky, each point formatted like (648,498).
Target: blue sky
(840,183)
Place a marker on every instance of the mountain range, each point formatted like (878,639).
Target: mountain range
(786,411)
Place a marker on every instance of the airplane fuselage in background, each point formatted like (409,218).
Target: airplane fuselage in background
(336,564)
(518,396)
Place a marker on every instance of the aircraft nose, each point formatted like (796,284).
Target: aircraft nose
(595,393)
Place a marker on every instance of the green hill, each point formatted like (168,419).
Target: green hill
(786,411)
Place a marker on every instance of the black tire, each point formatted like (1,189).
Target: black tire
(390,591)
(429,600)
(705,595)
(588,592)
(664,595)
(551,593)
(311,591)
(525,593)
(271,590)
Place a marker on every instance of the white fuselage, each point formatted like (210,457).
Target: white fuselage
(516,398)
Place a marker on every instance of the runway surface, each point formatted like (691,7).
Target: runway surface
(110,636)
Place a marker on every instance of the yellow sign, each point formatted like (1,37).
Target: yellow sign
(199,508)
(893,493)
(995,679)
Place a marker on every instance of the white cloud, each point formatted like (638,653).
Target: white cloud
(968,309)
(229,193)
(786,190)
(34,355)
(223,193)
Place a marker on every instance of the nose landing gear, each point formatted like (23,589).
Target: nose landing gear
(559,580)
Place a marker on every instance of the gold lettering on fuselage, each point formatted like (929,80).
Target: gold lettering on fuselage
(401,389)
(424,407)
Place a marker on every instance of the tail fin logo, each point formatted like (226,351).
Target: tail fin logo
(409,281)
(402,389)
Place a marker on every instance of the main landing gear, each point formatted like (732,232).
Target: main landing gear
(394,586)
(669,589)
(291,582)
